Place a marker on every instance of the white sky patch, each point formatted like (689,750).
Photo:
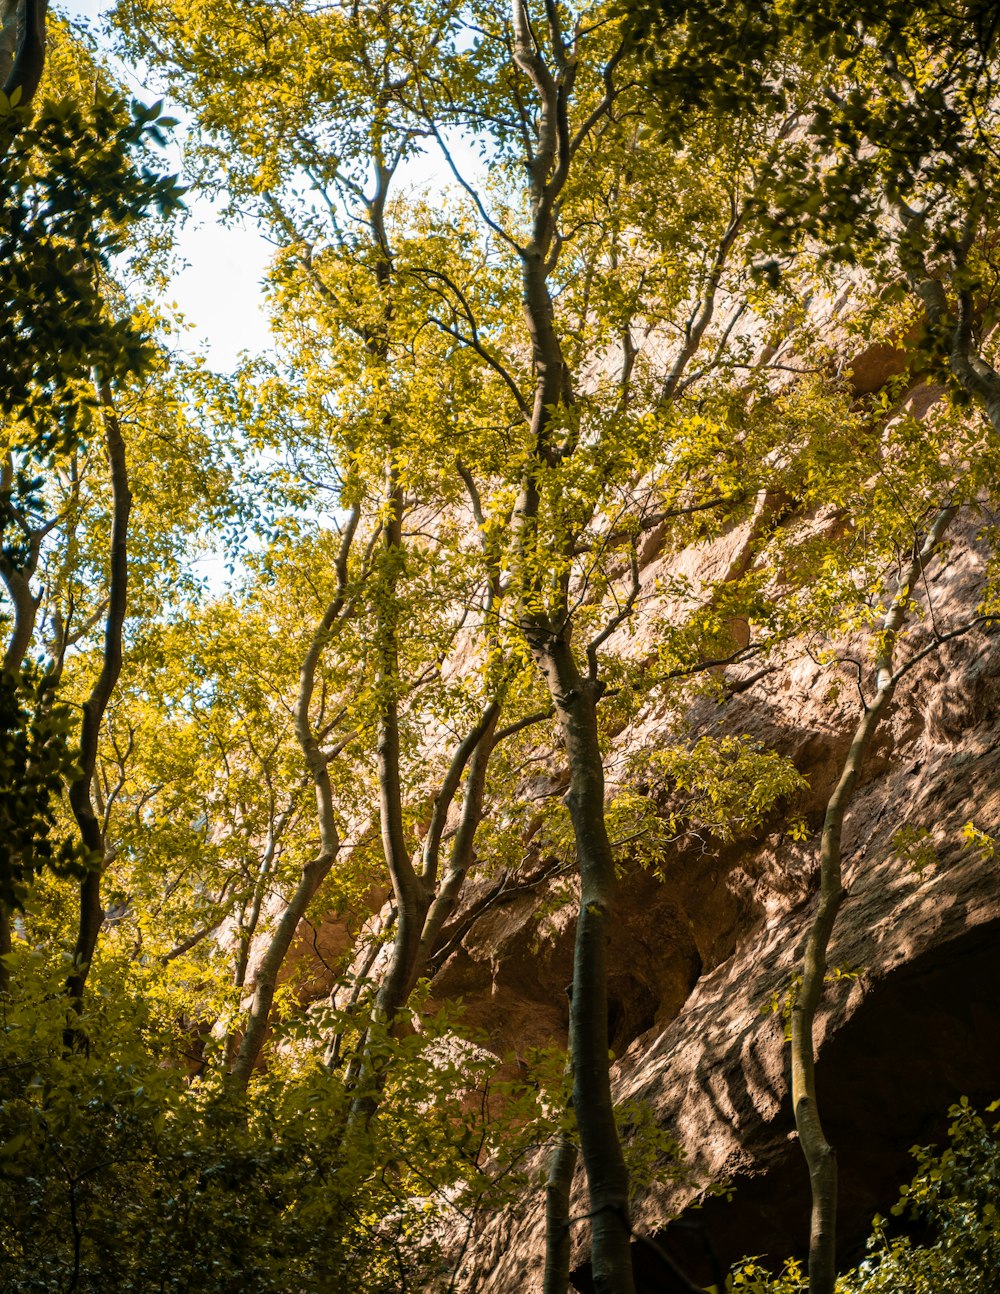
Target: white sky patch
(219,291)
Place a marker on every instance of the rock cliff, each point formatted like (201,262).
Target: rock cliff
(705,953)
(701,957)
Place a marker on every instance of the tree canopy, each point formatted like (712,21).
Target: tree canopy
(568,440)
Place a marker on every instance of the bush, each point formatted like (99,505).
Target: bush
(952,1198)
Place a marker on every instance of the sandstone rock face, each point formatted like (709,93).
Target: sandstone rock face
(700,957)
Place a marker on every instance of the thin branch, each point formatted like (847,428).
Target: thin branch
(529,720)
(624,611)
(448,789)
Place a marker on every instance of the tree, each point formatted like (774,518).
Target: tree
(434,499)
(76,176)
(892,171)
(349,280)
(563,495)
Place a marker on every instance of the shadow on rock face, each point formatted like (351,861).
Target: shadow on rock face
(926,1035)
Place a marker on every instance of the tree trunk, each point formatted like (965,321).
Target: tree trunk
(6,947)
(558,1192)
(820,1156)
(266,981)
(412,897)
(91,911)
(575,699)
(558,1237)
(17,580)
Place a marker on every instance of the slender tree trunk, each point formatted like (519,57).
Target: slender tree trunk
(575,698)
(266,981)
(91,911)
(26,603)
(558,1192)
(412,897)
(475,752)
(331,1058)
(317,869)
(241,1053)
(981,381)
(17,580)
(6,947)
(430,901)
(820,1156)
(558,1237)
(21,68)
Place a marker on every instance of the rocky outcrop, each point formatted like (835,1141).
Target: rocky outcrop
(701,958)
(705,952)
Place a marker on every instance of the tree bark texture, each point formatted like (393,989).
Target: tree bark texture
(820,1156)
(91,911)
(575,699)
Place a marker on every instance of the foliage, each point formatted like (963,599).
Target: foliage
(950,1203)
(416,519)
(728,785)
(953,1194)
(76,178)
(888,91)
(915,845)
(980,840)
(116,1169)
(782,1000)
(37,760)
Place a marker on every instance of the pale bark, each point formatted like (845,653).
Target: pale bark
(331,1057)
(241,1053)
(17,576)
(974,374)
(474,752)
(819,1154)
(25,603)
(411,895)
(422,903)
